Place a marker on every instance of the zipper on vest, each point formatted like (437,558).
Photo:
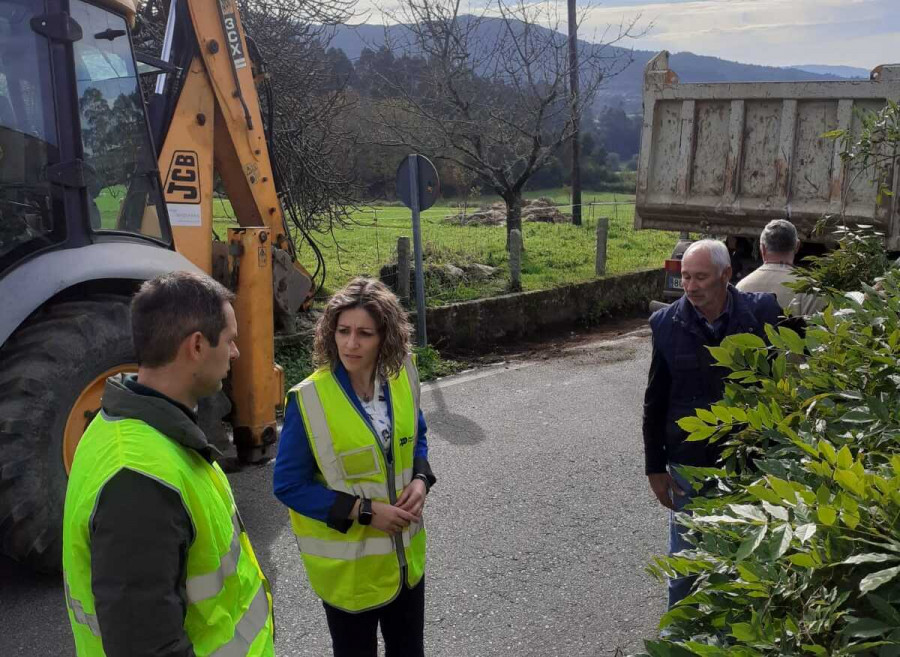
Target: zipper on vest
(391,481)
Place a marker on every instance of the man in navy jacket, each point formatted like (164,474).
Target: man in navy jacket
(683,376)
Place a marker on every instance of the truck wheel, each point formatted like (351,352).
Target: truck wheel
(52,372)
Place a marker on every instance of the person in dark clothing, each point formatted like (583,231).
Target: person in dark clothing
(683,376)
(155,558)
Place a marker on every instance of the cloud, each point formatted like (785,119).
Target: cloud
(861,33)
(775,32)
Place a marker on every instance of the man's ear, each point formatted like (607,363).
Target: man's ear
(193,345)
(726,273)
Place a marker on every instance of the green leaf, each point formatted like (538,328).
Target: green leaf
(845,458)
(827,514)
(782,540)
(722,413)
(868,627)
(849,481)
(722,356)
(783,488)
(805,532)
(871,557)
(743,632)
(814,649)
(763,493)
(707,416)
(691,423)
(701,434)
(793,341)
(751,543)
(874,580)
(833,134)
(802,559)
(748,511)
(827,451)
(746,340)
(887,610)
(775,511)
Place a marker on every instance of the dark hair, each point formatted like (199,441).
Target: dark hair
(779,236)
(384,307)
(169,308)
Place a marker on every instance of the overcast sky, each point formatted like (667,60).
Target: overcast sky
(861,33)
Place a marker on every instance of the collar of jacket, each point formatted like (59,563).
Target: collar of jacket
(740,321)
(162,415)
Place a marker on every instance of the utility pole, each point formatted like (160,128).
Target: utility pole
(576,119)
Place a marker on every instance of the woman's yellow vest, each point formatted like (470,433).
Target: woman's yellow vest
(229,612)
(363,568)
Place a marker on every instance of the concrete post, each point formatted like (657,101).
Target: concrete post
(515,260)
(602,234)
(403,269)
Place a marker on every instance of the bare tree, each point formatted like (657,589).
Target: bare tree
(492,96)
(302,102)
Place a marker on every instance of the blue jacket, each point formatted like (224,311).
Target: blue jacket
(683,376)
(295,465)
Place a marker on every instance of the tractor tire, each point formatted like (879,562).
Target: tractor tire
(44,368)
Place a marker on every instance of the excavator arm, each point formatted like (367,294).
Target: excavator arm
(209,122)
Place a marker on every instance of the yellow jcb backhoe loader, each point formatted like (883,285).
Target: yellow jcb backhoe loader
(99,193)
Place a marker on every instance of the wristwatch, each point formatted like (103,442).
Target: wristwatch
(365,511)
(425,481)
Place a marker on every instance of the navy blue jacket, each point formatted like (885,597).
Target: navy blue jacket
(295,466)
(683,376)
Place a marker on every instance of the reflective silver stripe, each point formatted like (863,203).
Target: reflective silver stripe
(402,478)
(81,616)
(346,550)
(251,624)
(203,587)
(413,376)
(413,529)
(321,436)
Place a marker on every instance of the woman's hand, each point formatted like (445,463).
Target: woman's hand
(391,519)
(412,498)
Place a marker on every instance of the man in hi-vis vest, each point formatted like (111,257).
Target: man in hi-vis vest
(155,557)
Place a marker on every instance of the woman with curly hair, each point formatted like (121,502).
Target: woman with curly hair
(353,470)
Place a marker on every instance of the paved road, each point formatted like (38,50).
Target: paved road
(539,527)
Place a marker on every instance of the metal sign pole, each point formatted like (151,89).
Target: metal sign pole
(417,246)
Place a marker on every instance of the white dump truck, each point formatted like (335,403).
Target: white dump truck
(723,159)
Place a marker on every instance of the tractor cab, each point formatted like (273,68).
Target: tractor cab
(77,164)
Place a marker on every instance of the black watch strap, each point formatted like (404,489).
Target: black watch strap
(365,511)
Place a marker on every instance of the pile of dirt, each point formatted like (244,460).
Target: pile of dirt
(539,209)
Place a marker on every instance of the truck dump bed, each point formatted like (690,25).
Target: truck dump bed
(725,158)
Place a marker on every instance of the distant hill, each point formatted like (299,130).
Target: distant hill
(625,88)
(840,71)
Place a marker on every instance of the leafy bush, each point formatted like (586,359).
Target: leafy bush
(797,548)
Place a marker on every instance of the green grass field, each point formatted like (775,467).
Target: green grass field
(555,254)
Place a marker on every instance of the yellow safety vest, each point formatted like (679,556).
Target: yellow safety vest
(363,568)
(229,612)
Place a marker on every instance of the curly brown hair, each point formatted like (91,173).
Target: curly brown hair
(393,325)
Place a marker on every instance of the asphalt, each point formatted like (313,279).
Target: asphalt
(539,527)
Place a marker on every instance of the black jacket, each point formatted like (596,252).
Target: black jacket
(683,376)
(140,535)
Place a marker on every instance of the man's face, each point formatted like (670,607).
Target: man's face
(703,284)
(215,362)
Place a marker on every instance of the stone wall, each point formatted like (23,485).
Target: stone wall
(476,325)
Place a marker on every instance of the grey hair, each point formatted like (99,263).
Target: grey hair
(717,251)
(779,236)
